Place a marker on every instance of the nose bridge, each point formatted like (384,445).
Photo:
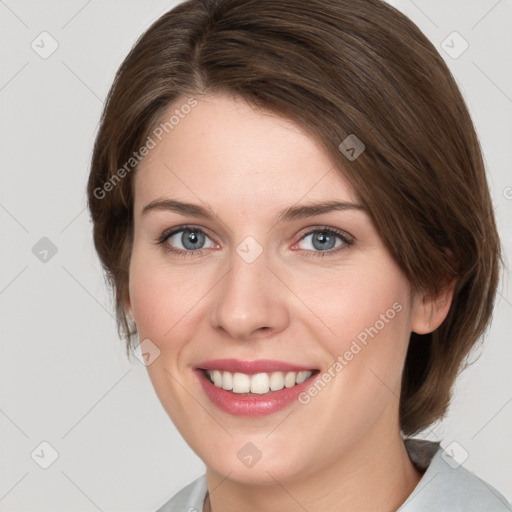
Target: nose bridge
(247,299)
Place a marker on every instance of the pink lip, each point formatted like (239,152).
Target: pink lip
(251,367)
(252,405)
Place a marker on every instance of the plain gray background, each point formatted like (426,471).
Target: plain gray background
(65,379)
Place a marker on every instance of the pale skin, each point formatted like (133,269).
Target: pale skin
(343,450)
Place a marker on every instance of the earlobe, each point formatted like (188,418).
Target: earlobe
(128,308)
(430,309)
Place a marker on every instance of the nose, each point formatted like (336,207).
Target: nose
(249,301)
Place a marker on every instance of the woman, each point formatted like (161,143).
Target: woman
(291,206)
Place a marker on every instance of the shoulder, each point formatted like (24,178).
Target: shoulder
(447,486)
(188,499)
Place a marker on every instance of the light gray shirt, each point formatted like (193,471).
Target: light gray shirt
(446,486)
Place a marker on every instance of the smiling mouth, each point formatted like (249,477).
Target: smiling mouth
(257,383)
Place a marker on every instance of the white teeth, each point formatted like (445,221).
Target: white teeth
(227,381)
(217,378)
(276,381)
(289,379)
(241,383)
(302,376)
(258,383)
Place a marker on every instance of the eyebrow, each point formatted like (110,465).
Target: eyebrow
(291,213)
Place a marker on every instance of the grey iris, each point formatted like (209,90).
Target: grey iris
(324,240)
(191,238)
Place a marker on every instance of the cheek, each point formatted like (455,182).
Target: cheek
(164,302)
(357,301)
(162,299)
(365,318)
(367,311)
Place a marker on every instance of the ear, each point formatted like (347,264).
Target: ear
(429,309)
(128,308)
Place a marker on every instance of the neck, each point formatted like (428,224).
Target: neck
(374,475)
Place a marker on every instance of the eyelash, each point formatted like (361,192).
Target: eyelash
(347,241)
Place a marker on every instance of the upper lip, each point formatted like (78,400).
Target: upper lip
(250,367)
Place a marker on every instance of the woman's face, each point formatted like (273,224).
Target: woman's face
(316,292)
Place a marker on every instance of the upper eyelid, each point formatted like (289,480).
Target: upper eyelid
(337,231)
(166,233)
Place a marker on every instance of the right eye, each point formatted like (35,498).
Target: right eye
(185,241)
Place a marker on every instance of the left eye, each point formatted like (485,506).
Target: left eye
(190,239)
(323,240)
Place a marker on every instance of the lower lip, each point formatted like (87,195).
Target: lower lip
(241,404)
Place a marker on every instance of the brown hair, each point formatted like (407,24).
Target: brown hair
(336,67)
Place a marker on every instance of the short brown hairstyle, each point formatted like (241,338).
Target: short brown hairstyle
(335,67)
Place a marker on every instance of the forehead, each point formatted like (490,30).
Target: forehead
(225,151)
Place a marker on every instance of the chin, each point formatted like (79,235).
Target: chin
(256,461)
